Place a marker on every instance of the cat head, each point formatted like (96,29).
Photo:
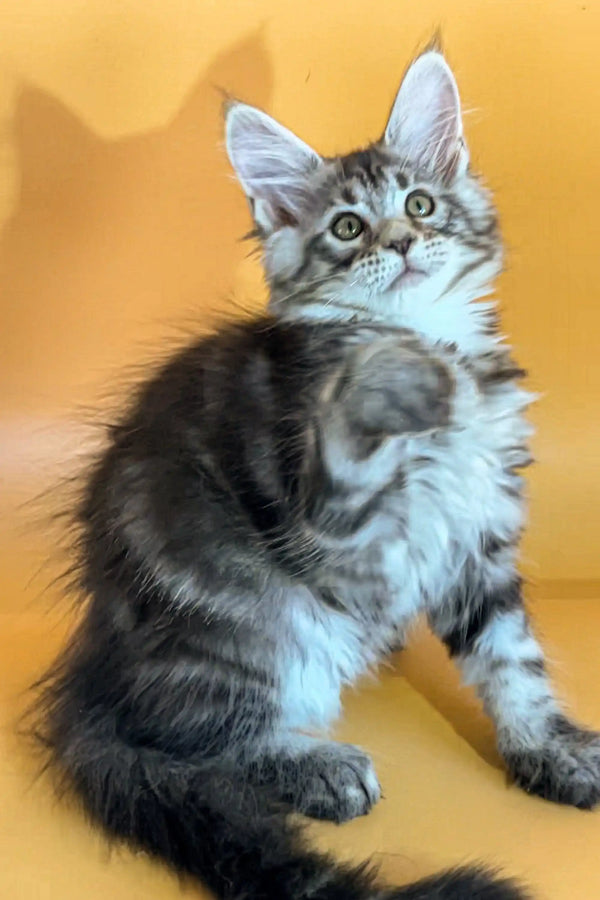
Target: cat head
(380,230)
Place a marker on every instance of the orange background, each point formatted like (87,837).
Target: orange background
(120,214)
(119,225)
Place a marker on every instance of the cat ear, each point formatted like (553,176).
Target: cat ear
(272,164)
(425,123)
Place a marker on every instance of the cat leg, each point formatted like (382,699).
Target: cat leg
(388,389)
(318,778)
(488,633)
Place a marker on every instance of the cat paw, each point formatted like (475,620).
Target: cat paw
(398,388)
(566,769)
(336,782)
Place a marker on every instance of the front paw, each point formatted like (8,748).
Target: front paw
(566,769)
(397,387)
(333,781)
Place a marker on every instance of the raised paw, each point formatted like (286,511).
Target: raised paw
(397,387)
(566,769)
(335,782)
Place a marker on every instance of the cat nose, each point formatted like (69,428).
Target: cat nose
(401,245)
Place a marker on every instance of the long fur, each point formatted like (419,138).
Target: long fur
(205,821)
(281,499)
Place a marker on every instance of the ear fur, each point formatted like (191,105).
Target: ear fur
(425,124)
(271,163)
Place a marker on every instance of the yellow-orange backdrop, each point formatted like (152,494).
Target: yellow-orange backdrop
(119,221)
(120,217)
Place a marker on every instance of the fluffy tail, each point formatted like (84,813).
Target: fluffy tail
(204,822)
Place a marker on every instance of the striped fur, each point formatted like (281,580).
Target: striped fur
(281,500)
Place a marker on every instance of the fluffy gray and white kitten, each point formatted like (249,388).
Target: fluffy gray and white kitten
(282,499)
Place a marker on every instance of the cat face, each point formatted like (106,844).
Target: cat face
(379,229)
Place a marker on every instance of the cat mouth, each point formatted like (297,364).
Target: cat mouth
(407,278)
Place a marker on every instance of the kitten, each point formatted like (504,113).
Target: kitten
(281,500)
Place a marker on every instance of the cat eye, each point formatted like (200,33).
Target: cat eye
(347,226)
(419,204)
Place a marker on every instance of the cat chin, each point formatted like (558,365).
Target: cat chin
(433,307)
(410,278)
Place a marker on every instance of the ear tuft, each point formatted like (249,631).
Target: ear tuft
(435,43)
(425,123)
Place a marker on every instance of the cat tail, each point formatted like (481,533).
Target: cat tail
(204,821)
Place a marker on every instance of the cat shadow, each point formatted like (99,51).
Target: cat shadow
(109,234)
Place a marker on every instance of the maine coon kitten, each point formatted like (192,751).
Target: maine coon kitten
(283,498)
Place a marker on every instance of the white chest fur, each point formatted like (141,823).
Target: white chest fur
(460,488)
(325,650)
(459,483)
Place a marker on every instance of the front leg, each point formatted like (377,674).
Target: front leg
(320,779)
(488,633)
(385,390)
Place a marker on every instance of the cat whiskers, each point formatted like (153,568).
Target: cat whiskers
(338,294)
(304,287)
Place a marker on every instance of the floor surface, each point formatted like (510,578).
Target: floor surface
(446,801)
